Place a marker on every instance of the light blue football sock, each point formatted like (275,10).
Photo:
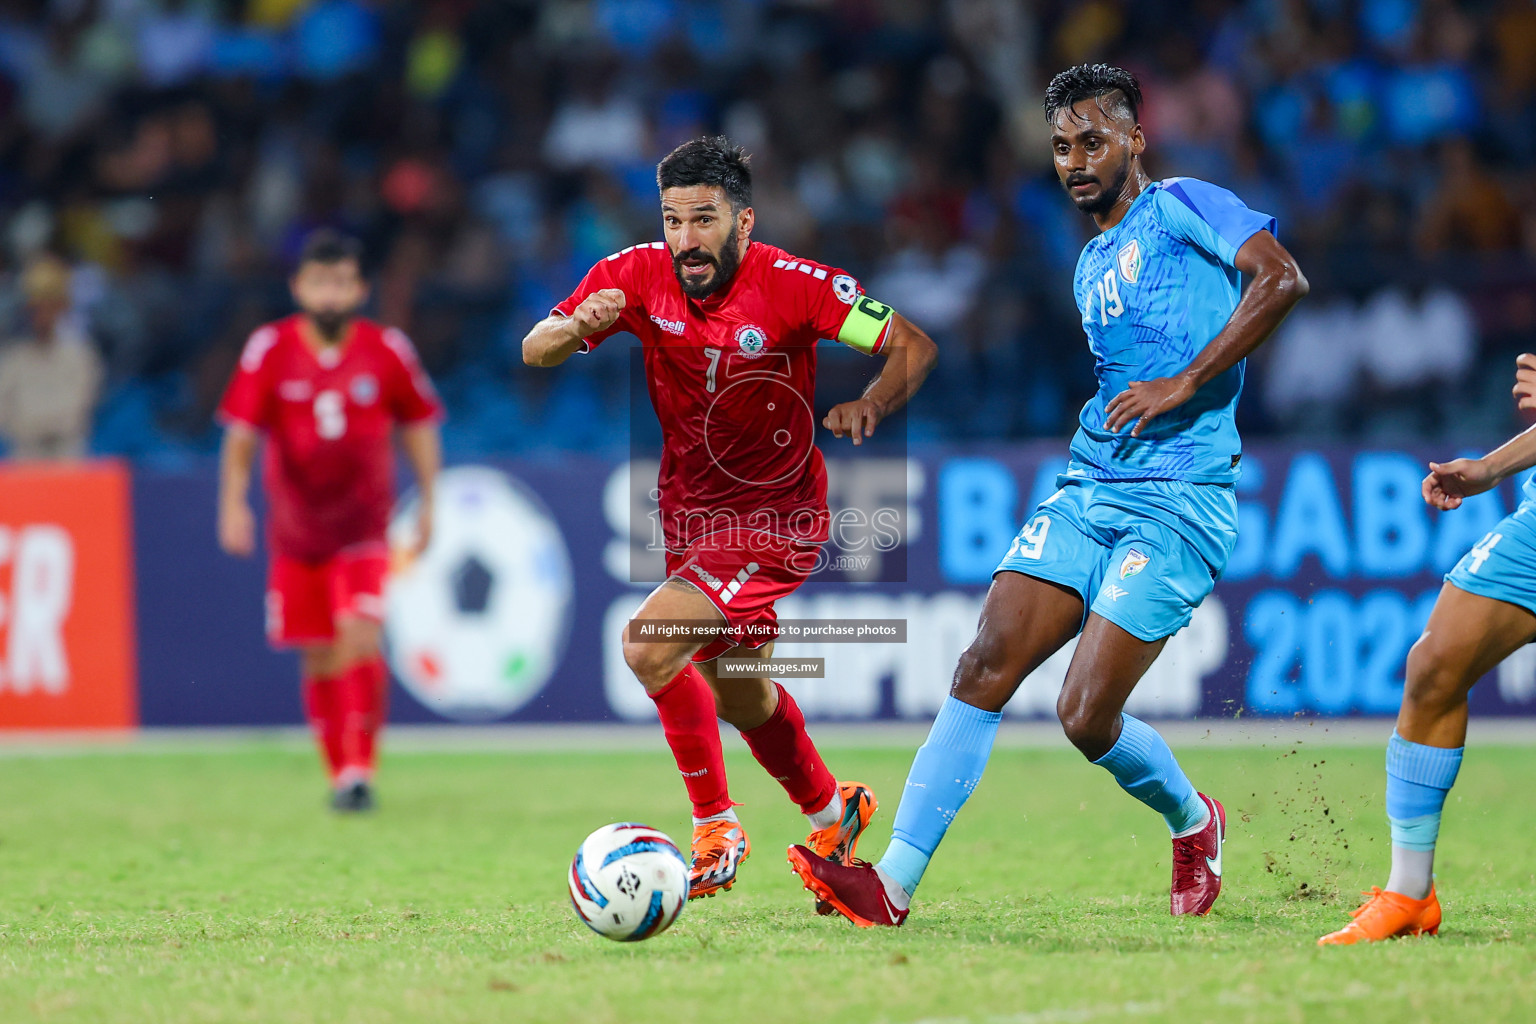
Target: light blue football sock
(1145,768)
(1418,779)
(945,771)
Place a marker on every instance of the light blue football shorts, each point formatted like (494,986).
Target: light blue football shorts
(1502,565)
(1143,554)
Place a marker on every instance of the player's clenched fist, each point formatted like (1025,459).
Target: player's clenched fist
(856,419)
(598,311)
(1525,381)
(1450,482)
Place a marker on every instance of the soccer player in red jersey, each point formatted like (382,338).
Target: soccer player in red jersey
(327,388)
(729,328)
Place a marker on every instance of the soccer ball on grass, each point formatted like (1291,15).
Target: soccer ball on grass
(628,882)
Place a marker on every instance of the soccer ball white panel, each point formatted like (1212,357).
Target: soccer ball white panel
(628,882)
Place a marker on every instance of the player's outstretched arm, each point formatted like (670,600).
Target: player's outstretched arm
(556,338)
(1448,483)
(423,447)
(1277,285)
(909,356)
(237,523)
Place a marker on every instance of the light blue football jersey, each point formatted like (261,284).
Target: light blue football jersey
(1154,290)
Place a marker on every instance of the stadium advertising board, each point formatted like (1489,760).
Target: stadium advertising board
(517,615)
(66,600)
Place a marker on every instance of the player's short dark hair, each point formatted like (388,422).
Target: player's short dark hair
(1093,82)
(327,245)
(713,161)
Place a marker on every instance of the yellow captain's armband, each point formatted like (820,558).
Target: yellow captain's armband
(867,326)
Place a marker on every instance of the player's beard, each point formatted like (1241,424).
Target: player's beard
(725,267)
(332,324)
(1108,195)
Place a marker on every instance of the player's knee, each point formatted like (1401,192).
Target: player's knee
(358,640)
(1088,726)
(318,661)
(982,678)
(653,664)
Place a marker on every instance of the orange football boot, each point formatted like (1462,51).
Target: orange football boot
(719,847)
(836,842)
(1387,915)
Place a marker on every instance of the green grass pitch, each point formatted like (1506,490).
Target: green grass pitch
(182,886)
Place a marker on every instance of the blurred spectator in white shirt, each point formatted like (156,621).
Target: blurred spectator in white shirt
(49,377)
(596,125)
(1313,362)
(1411,341)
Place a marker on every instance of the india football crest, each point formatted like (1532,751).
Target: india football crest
(1134,562)
(1129,260)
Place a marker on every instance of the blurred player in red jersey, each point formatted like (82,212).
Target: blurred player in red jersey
(328,388)
(729,328)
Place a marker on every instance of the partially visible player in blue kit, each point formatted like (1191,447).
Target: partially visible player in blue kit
(1145,518)
(1485,612)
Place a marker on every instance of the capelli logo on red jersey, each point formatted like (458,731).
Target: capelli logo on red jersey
(670,326)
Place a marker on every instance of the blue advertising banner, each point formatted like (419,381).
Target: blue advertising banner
(515,611)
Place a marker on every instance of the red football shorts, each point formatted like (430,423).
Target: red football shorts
(743,576)
(304,599)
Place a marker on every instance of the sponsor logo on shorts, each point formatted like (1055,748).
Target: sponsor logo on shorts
(274,613)
(741,577)
(704,574)
(1114,592)
(751,340)
(1134,562)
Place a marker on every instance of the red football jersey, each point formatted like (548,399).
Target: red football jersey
(733,381)
(328,417)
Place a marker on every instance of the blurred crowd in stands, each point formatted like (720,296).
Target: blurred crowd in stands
(161,159)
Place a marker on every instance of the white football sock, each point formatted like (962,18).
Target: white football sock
(829,815)
(1412,872)
(729,814)
(899,897)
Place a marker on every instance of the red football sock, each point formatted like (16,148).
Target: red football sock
(782,746)
(687,709)
(362,697)
(322,710)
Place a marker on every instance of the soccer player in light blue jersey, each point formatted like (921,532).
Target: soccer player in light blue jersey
(1145,517)
(1486,611)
